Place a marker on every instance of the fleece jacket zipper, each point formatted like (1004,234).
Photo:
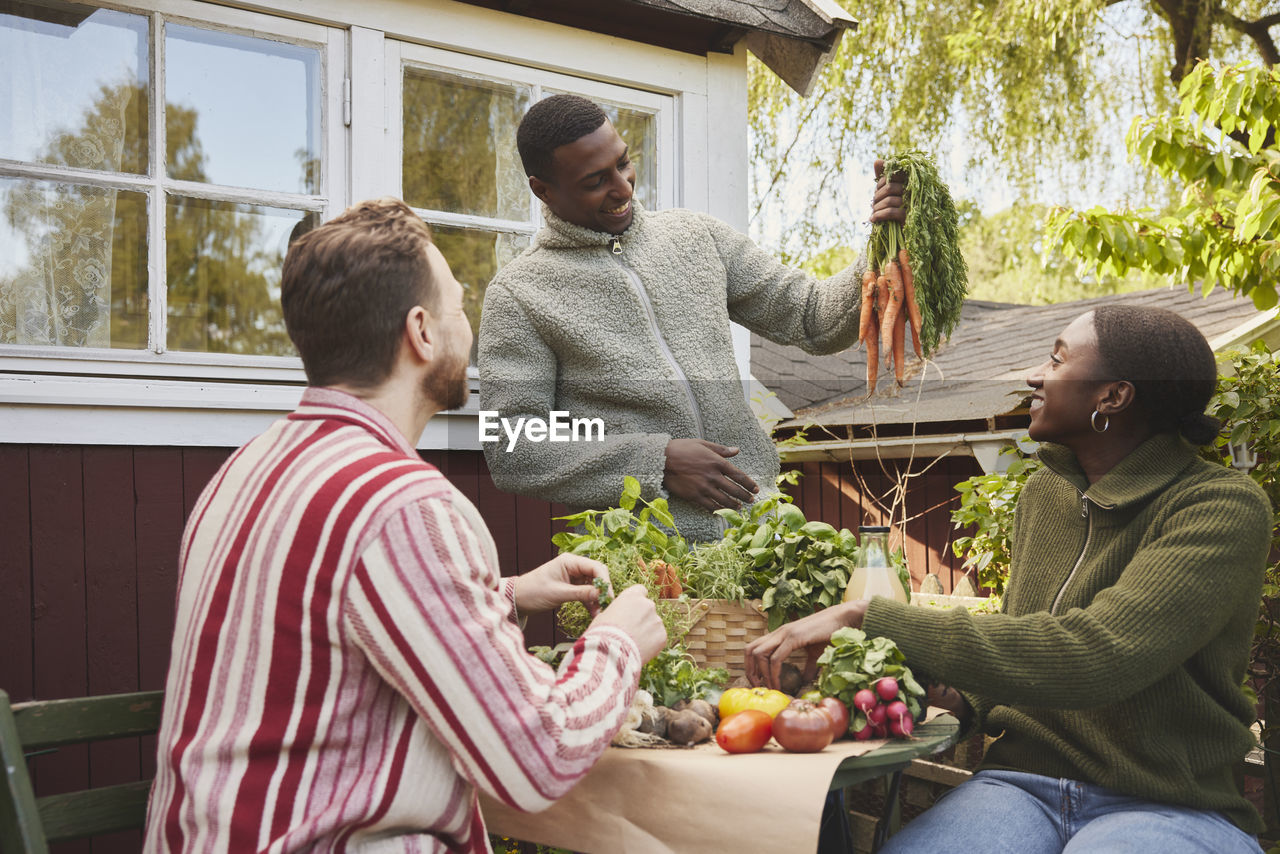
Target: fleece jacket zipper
(638,286)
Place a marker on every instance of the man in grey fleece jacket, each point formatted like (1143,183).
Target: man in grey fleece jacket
(623,314)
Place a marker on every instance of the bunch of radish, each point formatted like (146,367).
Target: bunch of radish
(881,712)
(870,676)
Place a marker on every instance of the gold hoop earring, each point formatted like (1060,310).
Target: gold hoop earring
(1093,422)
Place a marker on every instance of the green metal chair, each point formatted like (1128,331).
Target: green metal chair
(27,823)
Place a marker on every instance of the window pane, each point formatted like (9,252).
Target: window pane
(460,145)
(242,111)
(223,262)
(73,87)
(73,265)
(474,257)
(639,131)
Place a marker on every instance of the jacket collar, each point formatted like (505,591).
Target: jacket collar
(560,234)
(1149,469)
(322,403)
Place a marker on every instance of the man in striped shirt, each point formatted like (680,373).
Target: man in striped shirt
(346,667)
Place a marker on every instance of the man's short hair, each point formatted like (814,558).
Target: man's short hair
(551,123)
(347,286)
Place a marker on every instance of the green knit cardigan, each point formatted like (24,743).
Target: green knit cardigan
(1122,644)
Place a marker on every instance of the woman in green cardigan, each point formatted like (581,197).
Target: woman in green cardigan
(1112,676)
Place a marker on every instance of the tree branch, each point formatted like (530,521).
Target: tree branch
(1259,31)
(782,161)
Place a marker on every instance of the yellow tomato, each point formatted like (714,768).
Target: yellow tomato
(765,699)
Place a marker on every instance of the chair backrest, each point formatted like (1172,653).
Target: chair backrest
(28,823)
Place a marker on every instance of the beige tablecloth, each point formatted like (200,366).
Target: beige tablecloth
(700,800)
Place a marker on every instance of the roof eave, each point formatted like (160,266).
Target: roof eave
(796,62)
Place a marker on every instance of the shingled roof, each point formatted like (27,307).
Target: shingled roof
(978,375)
(794,38)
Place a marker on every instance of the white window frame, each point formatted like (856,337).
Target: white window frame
(59,396)
(156,361)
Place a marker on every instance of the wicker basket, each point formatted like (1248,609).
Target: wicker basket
(721,631)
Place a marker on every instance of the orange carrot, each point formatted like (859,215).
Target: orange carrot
(893,285)
(913,307)
(873,360)
(873,340)
(664,578)
(867,319)
(895,320)
(899,345)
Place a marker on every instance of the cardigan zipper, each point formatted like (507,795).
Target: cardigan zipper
(638,287)
(1088,534)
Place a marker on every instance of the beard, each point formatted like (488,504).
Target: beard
(448,386)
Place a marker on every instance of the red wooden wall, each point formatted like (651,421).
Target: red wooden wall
(847,496)
(89,540)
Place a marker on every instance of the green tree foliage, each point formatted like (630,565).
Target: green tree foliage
(105,229)
(1010,261)
(987,502)
(1246,403)
(223,283)
(1022,89)
(1219,147)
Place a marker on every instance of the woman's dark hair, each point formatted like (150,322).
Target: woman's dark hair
(1169,363)
(551,123)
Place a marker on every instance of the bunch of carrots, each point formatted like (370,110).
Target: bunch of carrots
(916,272)
(882,323)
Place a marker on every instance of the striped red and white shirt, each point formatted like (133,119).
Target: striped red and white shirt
(346,671)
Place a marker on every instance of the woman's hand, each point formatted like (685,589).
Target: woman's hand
(764,656)
(567,578)
(950,700)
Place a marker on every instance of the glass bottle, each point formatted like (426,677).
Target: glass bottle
(873,575)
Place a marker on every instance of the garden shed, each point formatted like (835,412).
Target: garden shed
(952,417)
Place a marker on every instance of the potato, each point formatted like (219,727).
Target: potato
(708,711)
(790,680)
(702,707)
(688,727)
(656,721)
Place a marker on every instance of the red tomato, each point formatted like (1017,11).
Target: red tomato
(839,714)
(745,732)
(802,727)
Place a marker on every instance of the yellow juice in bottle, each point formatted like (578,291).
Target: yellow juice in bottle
(873,576)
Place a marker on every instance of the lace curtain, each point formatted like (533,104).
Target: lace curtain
(62,296)
(512,183)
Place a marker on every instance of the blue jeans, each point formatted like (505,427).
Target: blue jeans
(1019,813)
